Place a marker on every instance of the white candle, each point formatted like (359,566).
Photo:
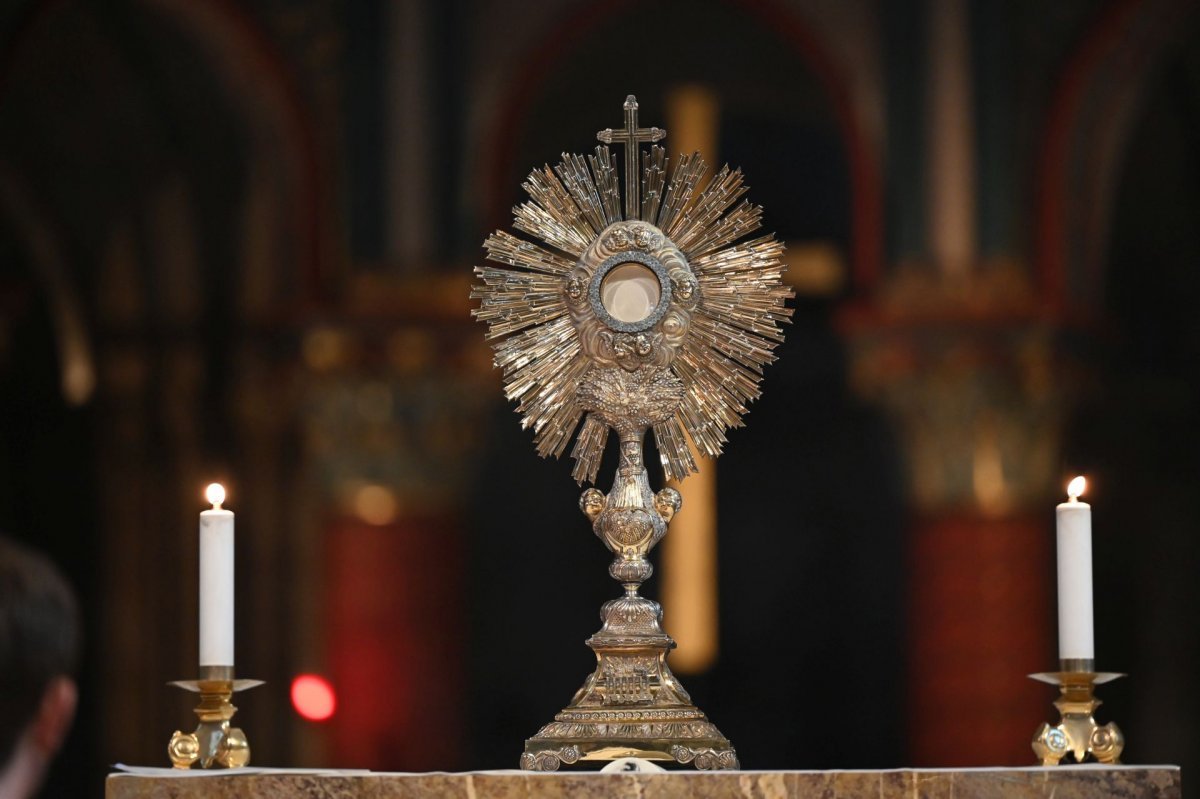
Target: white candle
(216,581)
(1075,638)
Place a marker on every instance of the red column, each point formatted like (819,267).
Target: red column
(981,619)
(395,632)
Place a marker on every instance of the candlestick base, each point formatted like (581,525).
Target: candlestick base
(214,743)
(1077,732)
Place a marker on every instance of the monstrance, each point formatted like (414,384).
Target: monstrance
(655,319)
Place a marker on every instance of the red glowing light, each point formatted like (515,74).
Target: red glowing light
(313,697)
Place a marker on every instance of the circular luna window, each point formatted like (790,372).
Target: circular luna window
(630,292)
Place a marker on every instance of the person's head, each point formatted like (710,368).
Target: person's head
(39,653)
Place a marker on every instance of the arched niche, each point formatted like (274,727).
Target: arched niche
(769,66)
(1095,103)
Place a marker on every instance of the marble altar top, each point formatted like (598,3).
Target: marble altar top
(1062,782)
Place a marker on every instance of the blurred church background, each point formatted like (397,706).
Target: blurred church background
(236,241)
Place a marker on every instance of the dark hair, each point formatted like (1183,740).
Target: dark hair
(39,637)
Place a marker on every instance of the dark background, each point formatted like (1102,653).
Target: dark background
(236,241)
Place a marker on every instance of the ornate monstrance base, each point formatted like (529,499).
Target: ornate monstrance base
(632,705)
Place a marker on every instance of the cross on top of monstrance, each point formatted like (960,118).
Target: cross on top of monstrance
(631,137)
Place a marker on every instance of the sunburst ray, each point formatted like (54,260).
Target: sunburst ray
(654,171)
(589,447)
(511,301)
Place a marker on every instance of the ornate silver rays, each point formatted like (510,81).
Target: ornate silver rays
(655,319)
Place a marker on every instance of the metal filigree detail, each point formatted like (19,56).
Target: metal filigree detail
(630,401)
(598,716)
(706,759)
(549,759)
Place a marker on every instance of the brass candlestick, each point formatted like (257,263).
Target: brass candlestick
(214,742)
(1077,732)
(656,320)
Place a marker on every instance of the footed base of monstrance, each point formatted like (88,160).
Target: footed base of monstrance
(631,705)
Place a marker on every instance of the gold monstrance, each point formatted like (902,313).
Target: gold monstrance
(654,319)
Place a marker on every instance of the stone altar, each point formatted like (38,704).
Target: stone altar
(1062,782)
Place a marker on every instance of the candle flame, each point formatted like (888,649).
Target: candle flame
(215,493)
(1076,487)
